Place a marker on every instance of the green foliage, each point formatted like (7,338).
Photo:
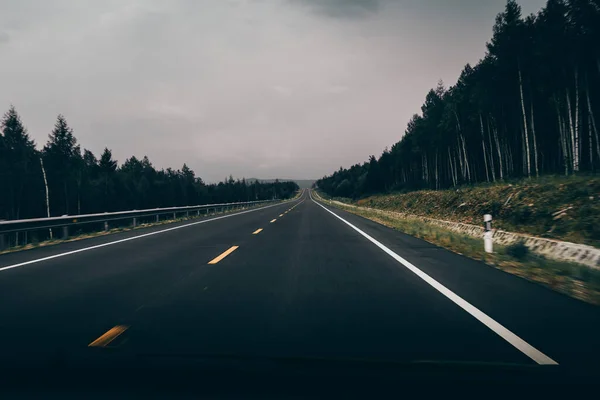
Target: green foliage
(494,207)
(18,166)
(344,189)
(522,215)
(518,250)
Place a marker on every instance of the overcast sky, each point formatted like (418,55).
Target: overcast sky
(254,88)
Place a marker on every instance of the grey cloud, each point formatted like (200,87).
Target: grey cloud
(342,8)
(4,37)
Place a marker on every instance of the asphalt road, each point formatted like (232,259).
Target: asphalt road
(313,285)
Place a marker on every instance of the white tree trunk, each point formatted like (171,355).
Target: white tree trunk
(455,169)
(451,167)
(572,133)
(468,169)
(577,135)
(566,138)
(487,175)
(525,132)
(591,145)
(563,139)
(463,171)
(495,130)
(535,152)
(511,162)
(593,121)
(493,165)
(462,158)
(437,181)
(457,122)
(47,193)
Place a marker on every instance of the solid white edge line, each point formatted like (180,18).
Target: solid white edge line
(130,238)
(507,335)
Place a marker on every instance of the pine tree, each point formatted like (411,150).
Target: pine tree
(62,156)
(18,164)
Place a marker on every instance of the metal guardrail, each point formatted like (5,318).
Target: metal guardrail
(66,221)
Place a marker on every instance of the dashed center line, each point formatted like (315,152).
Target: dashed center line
(68,253)
(225,254)
(256,232)
(109,336)
(273,220)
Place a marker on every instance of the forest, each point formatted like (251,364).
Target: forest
(529,107)
(62,179)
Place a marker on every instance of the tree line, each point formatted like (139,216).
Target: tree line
(529,107)
(61,179)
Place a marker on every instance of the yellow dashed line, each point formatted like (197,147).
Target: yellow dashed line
(256,232)
(222,256)
(109,336)
(273,220)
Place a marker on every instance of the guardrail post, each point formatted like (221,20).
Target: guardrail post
(198,212)
(105,225)
(134,222)
(157,217)
(174,215)
(65,232)
(187,214)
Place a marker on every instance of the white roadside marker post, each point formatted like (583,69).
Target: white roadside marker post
(487,236)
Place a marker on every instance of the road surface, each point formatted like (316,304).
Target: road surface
(293,281)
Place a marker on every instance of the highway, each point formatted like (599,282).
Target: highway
(296,280)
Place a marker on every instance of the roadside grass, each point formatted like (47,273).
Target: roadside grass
(556,207)
(572,279)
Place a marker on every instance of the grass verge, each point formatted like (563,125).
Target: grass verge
(574,280)
(554,207)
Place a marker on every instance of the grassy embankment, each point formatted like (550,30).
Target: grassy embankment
(563,208)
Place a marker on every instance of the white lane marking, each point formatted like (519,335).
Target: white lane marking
(507,335)
(130,238)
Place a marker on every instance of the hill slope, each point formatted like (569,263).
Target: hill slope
(564,208)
